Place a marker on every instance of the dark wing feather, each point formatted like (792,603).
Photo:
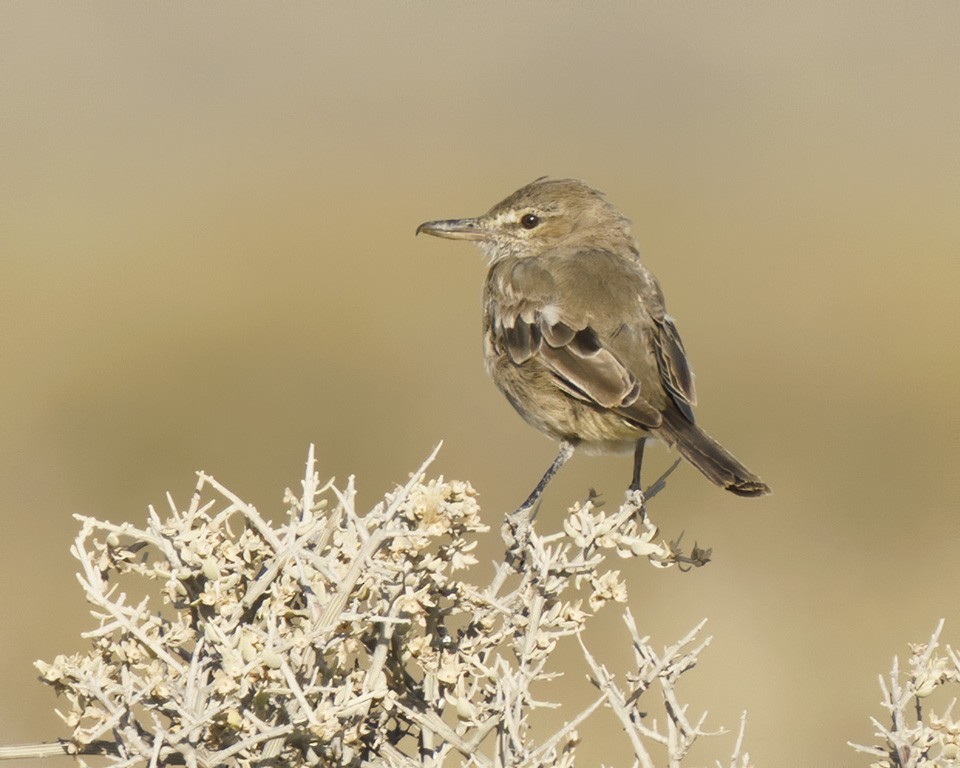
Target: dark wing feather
(521,340)
(675,371)
(556,335)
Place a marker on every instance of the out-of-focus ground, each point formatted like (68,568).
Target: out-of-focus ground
(207,261)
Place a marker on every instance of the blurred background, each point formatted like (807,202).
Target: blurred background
(208,262)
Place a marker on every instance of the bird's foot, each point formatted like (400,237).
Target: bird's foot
(636,500)
(516,534)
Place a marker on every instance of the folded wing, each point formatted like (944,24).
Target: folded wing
(577,359)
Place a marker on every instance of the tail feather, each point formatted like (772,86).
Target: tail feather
(711,458)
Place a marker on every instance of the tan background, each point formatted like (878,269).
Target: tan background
(208,262)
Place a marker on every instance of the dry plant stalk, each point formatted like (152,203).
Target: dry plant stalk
(917,736)
(348,639)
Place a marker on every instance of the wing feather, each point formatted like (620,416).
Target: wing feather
(521,340)
(675,371)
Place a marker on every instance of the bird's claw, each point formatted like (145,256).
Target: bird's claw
(516,535)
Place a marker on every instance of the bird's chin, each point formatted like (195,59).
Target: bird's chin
(490,249)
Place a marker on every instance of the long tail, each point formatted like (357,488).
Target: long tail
(711,458)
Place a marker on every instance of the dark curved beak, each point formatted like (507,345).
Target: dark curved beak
(456,229)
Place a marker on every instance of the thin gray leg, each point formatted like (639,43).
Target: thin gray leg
(566,451)
(516,531)
(637,462)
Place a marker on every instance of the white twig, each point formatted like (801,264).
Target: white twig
(340,637)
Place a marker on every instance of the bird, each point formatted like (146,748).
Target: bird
(576,334)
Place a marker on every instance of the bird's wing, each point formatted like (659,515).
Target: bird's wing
(675,371)
(573,352)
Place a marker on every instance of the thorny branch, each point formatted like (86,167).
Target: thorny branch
(917,735)
(342,638)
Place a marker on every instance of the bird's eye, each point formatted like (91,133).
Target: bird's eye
(529,221)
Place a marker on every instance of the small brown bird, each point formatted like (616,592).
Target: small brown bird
(576,334)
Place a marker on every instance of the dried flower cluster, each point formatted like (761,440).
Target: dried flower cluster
(339,638)
(917,735)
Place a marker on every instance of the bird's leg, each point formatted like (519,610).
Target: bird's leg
(637,462)
(517,529)
(635,494)
(566,451)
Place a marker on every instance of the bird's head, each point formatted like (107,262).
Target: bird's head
(542,216)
